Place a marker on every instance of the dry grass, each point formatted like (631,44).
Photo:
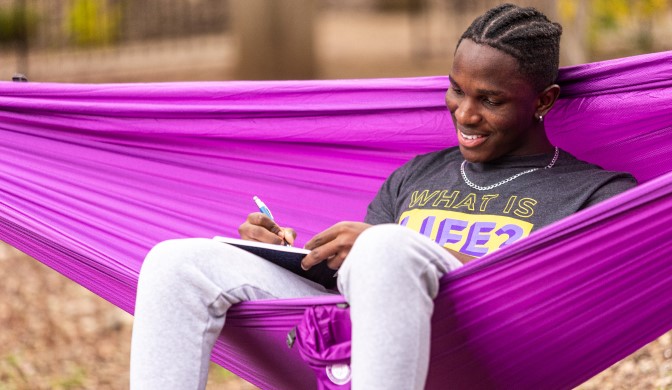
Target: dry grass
(58,335)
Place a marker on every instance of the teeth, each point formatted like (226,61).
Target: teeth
(470,137)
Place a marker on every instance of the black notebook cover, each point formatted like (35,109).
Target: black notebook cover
(287,257)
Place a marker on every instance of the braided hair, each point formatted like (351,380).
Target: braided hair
(524,33)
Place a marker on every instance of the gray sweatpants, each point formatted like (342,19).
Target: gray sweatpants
(390,279)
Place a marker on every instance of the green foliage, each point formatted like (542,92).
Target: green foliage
(17,24)
(72,380)
(610,14)
(93,22)
(220,374)
(11,374)
(607,17)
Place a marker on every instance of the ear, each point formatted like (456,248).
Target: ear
(546,99)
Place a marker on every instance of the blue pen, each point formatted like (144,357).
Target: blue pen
(262,207)
(265,210)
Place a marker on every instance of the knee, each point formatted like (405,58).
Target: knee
(380,254)
(385,244)
(171,259)
(390,255)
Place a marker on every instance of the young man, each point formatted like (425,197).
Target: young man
(436,212)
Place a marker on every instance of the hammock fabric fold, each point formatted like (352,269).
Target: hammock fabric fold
(92,176)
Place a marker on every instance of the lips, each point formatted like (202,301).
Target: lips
(471,140)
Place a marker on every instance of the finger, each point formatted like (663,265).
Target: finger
(289,235)
(322,238)
(260,234)
(318,255)
(261,219)
(259,227)
(335,262)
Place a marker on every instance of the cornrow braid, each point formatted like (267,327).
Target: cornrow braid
(524,33)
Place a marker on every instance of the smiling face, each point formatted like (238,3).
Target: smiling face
(494,107)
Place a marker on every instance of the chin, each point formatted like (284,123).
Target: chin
(473,156)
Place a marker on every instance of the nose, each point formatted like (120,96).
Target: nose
(466,113)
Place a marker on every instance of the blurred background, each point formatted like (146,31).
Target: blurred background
(54,334)
(168,40)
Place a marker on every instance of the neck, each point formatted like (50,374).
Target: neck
(541,144)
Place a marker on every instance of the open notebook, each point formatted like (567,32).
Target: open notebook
(287,257)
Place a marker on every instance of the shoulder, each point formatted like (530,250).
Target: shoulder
(597,183)
(570,165)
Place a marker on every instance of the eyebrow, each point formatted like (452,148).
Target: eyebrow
(488,92)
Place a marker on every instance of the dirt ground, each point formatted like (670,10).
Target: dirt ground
(58,335)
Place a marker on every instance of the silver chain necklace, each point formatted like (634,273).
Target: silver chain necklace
(517,175)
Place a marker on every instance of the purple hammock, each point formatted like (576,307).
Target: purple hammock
(92,176)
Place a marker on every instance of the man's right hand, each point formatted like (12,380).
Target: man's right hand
(259,227)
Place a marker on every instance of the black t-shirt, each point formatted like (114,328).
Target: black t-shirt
(429,195)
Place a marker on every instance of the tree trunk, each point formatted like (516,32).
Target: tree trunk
(275,39)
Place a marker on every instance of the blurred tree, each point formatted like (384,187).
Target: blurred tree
(17,25)
(590,24)
(574,15)
(648,10)
(275,39)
